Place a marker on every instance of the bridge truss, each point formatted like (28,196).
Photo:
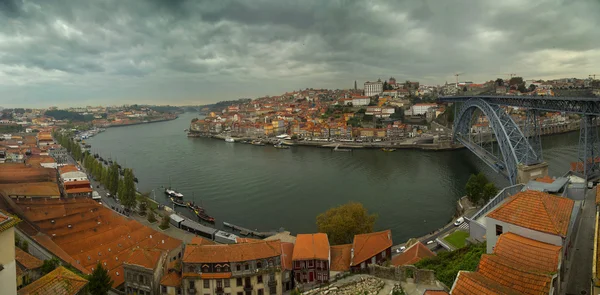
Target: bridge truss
(511,145)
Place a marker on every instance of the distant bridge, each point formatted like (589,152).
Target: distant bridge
(522,148)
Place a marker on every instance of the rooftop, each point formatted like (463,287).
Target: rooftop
(472,283)
(311,246)
(537,211)
(36,189)
(530,254)
(511,275)
(172,279)
(60,281)
(368,245)
(27,260)
(287,249)
(412,255)
(231,252)
(340,257)
(7,221)
(146,258)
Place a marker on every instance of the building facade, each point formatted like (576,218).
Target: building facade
(8,273)
(311,258)
(371,248)
(143,271)
(236,269)
(373,88)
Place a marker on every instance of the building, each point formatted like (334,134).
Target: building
(287,277)
(28,267)
(360,101)
(59,281)
(340,258)
(170,284)
(31,190)
(8,272)
(371,248)
(412,255)
(373,88)
(311,258)
(241,269)
(143,270)
(421,108)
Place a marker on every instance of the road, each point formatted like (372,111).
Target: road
(579,274)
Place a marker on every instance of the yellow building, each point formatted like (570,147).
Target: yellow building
(8,275)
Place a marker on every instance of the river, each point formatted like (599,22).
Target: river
(413,192)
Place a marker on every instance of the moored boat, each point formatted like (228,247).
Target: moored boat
(229,139)
(280,146)
(173,193)
(177,202)
(388,149)
(202,215)
(338,149)
(258,142)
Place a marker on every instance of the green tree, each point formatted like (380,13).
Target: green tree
(164,223)
(342,223)
(99,281)
(142,208)
(113,179)
(532,87)
(474,187)
(489,191)
(49,265)
(128,194)
(25,246)
(499,82)
(151,217)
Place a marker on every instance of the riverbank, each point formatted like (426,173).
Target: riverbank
(139,123)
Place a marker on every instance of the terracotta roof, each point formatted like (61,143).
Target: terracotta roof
(220,275)
(22,174)
(536,210)
(340,257)
(78,190)
(368,245)
(245,240)
(311,246)
(472,283)
(435,292)
(512,276)
(172,279)
(231,252)
(529,254)
(44,189)
(7,221)
(68,168)
(287,250)
(201,241)
(27,260)
(545,179)
(60,281)
(412,255)
(147,258)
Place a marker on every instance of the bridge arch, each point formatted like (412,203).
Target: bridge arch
(514,145)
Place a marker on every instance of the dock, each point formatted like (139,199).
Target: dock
(245,232)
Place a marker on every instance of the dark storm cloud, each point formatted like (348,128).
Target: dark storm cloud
(135,45)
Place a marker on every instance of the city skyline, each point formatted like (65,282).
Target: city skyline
(189,53)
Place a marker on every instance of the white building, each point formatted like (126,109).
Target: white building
(421,108)
(361,101)
(373,88)
(8,273)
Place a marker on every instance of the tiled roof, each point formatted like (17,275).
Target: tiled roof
(340,257)
(60,281)
(512,276)
(147,258)
(49,189)
(231,252)
(412,255)
(219,275)
(472,283)
(311,246)
(287,250)
(537,211)
(545,179)
(27,260)
(245,240)
(529,254)
(172,279)
(201,241)
(7,221)
(368,245)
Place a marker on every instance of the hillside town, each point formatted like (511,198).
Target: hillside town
(384,112)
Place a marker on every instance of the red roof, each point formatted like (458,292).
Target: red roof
(201,241)
(311,246)
(60,281)
(340,257)
(412,255)
(513,276)
(472,283)
(27,260)
(231,252)
(172,279)
(368,245)
(536,210)
(529,254)
(287,250)
(147,258)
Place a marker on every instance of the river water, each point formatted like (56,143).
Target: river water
(413,192)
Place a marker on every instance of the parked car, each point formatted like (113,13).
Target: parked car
(459,221)
(430,242)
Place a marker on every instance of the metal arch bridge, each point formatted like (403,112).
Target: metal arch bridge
(523,147)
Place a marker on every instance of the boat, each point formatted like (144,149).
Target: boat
(202,215)
(177,202)
(388,149)
(193,206)
(338,149)
(229,139)
(258,143)
(173,193)
(280,146)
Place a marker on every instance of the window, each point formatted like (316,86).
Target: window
(227,283)
(206,284)
(498,229)
(310,263)
(258,264)
(246,266)
(261,292)
(259,278)
(164,289)
(219,283)
(297,264)
(324,277)
(240,293)
(383,254)
(178,291)
(238,267)
(218,268)
(273,290)
(319,276)
(140,279)
(191,284)
(238,282)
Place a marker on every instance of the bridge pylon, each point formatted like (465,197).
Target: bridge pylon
(588,164)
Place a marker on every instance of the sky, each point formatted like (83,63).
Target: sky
(112,52)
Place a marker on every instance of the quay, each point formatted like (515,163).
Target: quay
(244,231)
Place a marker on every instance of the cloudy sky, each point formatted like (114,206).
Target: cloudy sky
(177,52)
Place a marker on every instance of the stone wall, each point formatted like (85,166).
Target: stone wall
(401,273)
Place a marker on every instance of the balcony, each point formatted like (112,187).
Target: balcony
(219,290)
(248,288)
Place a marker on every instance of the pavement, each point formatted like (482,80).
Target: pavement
(578,275)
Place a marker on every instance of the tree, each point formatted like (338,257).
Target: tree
(164,223)
(142,208)
(489,191)
(521,87)
(474,187)
(532,87)
(151,217)
(499,82)
(49,265)
(127,196)
(99,281)
(342,223)
(113,178)
(25,246)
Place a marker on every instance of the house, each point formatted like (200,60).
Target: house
(311,258)
(59,281)
(143,270)
(519,265)
(360,101)
(31,190)
(287,278)
(28,267)
(8,275)
(412,255)
(170,284)
(340,258)
(371,248)
(250,268)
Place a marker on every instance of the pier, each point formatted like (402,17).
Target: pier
(244,231)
